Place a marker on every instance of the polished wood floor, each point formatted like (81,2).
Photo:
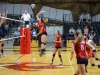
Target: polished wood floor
(15,63)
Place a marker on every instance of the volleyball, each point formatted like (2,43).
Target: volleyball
(32,6)
(45,20)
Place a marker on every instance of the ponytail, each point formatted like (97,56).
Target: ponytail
(79,36)
(58,32)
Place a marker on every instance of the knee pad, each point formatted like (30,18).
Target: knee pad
(96,59)
(93,65)
(59,56)
(2,45)
(43,43)
(53,55)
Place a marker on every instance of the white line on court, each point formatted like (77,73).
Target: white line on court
(46,62)
(23,73)
(70,63)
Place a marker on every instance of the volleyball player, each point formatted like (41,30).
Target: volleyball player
(78,46)
(42,32)
(57,48)
(91,52)
(93,45)
(2,32)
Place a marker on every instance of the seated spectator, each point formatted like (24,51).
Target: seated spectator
(13,22)
(84,20)
(88,17)
(16,34)
(79,29)
(17,22)
(99,41)
(86,31)
(91,36)
(92,30)
(71,32)
(19,28)
(79,20)
(33,33)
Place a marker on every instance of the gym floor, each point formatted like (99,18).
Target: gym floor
(15,63)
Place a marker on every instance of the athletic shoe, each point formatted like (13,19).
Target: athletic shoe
(61,63)
(98,66)
(51,63)
(40,54)
(3,55)
(43,52)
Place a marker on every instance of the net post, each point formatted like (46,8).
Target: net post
(25,43)
(28,41)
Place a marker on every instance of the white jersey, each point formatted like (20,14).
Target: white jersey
(89,42)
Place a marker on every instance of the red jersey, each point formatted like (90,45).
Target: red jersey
(80,49)
(41,25)
(58,39)
(88,51)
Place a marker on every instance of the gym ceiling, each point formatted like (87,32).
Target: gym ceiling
(76,6)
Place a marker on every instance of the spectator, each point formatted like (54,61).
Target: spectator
(88,17)
(18,22)
(86,31)
(71,32)
(79,20)
(92,30)
(33,33)
(19,28)
(79,29)
(91,36)
(35,26)
(13,22)
(32,20)
(16,34)
(84,20)
(26,17)
(99,41)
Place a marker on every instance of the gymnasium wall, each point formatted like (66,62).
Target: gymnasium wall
(15,9)
(95,18)
(57,14)
(51,13)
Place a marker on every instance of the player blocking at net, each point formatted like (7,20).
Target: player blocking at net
(3,32)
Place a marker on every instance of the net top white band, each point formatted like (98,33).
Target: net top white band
(12,38)
(12,19)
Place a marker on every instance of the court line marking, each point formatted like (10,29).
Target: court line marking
(70,63)
(46,61)
(3,69)
(23,73)
(19,58)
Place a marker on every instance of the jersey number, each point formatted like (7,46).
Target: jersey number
(82,47)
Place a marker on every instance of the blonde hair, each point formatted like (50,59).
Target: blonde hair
(79,36)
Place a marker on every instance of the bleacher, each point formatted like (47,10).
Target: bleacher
(95,25)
